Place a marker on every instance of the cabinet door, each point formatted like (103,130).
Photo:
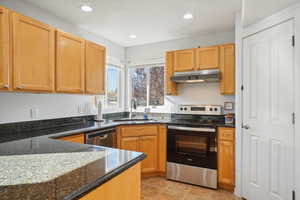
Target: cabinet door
(95,68)
(162,146)
(226,158)
(148,145)
(171,87)
(70,63)
(226,164)
(130,143)
(207,58)
(184,60)
(227,69)
(4,49)
(33,54)
(78,138)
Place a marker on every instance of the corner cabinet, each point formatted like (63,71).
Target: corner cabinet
(227,69)
(33,54)
(149,139)
(170,86)
(95,68)
(70,63)
(184,60)
(5,66)
(226,158)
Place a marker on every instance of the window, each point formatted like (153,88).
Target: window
(113,83)
(147,85)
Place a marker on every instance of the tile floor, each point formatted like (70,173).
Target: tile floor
(161,189)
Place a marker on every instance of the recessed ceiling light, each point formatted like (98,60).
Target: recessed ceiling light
(86,8)
(132,36)
(188,16)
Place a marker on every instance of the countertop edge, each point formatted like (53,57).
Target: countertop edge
(88,188)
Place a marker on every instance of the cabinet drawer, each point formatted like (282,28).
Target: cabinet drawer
(78,138)
(226,134)
(132,131)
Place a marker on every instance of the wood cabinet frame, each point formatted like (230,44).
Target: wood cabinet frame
(92,84)
(5,45)
(47,67)
(60,87)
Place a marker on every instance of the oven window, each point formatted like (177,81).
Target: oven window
(193,145)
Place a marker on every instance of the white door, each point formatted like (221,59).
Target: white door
(268,105)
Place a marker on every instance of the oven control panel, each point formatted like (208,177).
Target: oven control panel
(200,109)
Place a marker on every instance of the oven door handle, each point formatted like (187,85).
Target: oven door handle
(210,130)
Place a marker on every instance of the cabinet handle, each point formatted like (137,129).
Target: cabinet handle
(6,86)
(19,87)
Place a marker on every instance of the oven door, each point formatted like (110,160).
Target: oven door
(192,146)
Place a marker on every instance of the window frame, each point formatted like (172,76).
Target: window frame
(120,107)
(142,108)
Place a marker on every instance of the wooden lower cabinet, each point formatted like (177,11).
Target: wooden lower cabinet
(130,143)
(226,158)
(149,139)
(126,186)
(78,138)
(148,145)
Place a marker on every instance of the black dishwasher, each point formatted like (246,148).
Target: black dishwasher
(106,137)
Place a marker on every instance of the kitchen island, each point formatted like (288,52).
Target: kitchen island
(44,168)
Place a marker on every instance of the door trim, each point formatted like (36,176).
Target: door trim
(240,96)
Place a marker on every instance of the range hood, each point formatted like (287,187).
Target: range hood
(196,76)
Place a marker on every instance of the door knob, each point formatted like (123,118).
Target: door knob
(246,126)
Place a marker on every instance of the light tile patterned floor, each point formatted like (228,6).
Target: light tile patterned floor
(161,189)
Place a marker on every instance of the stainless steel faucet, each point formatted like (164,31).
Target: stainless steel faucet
(133,105)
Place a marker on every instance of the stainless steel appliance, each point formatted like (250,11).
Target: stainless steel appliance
(192,145)
(212,75)
(105,137)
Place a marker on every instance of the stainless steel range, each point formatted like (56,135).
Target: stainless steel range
(192,145)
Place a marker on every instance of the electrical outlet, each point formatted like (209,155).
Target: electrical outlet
(34,113)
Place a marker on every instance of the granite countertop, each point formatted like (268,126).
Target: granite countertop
(33,163)
(79,128)
(44,168)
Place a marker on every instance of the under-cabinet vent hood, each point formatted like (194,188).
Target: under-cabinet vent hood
(196,76)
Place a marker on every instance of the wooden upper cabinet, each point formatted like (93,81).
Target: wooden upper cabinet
(227,69)
(170,86)
(207,58)
(70,63)
(95,68)
(4,49)
(184,60)
(33,54)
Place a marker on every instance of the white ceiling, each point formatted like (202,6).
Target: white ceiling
(259,9)
(151,20)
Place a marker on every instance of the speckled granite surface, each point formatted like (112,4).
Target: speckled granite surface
(43,168)
(39,168)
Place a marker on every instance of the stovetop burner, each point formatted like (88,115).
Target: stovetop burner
(197,120)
